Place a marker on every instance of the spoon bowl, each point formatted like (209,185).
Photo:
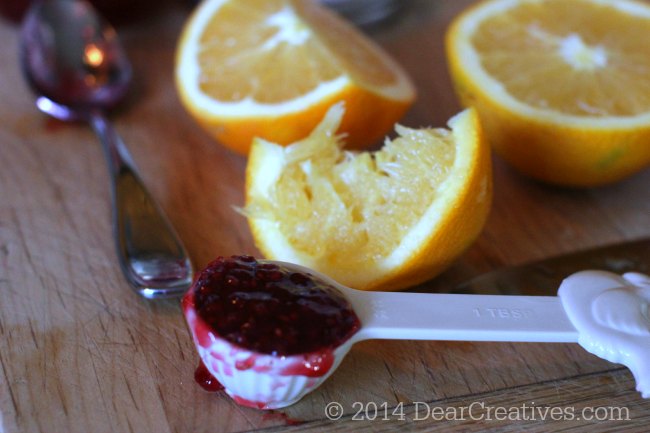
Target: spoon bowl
(72,56)
(74,62)
(260,380)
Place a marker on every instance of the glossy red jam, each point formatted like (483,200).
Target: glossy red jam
(206,380)
(271,309)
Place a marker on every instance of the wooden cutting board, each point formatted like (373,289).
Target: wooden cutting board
(80,352)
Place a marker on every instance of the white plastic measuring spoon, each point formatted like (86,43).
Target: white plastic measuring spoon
(604,312)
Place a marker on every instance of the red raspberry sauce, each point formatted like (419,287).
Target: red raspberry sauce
(271,309)
(206,380)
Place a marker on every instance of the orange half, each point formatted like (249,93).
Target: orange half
(271,69)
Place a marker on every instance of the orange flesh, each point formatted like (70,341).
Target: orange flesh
(337,200)
(242,40)
(526,47)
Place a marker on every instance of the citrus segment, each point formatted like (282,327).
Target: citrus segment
(561,86)
(383,220)
(248,68)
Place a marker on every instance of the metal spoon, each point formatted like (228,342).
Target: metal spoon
(72,58)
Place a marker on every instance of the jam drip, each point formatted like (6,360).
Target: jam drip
(271,309)
(206,380)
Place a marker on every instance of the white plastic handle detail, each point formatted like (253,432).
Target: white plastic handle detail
(607,314)
(423,316)
(611,314)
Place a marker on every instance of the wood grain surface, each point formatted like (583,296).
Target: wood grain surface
(80,352)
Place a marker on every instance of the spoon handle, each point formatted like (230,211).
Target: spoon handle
(150,252)
(424,316)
